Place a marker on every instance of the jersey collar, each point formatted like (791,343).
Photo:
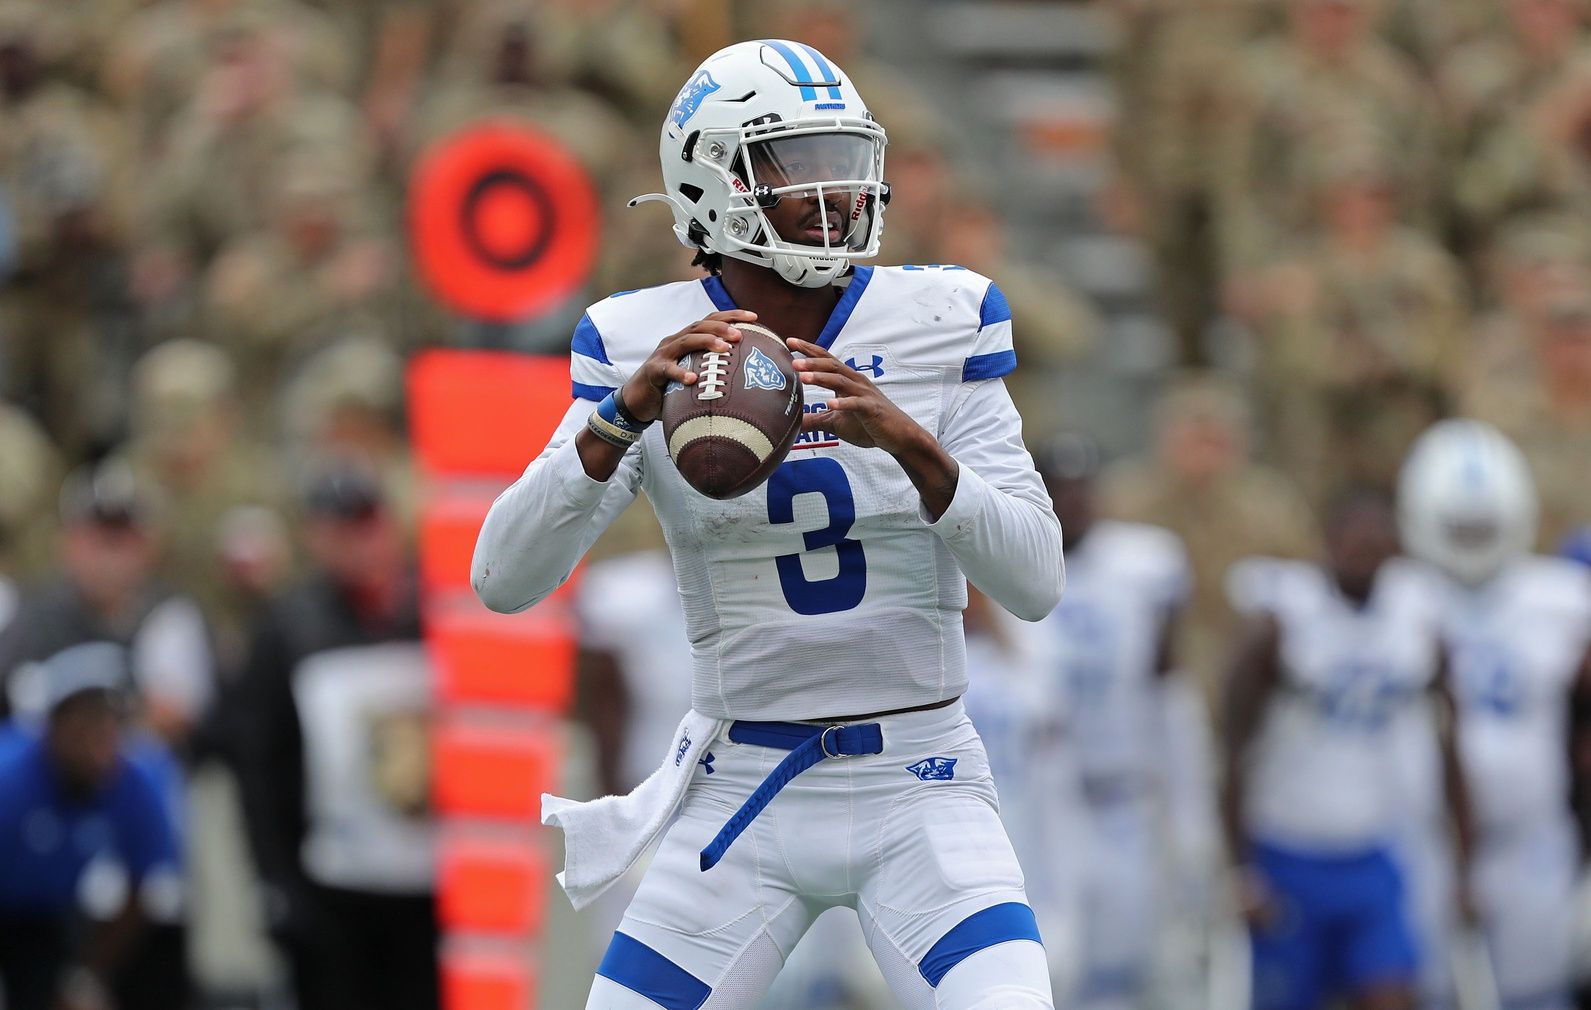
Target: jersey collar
(860,277)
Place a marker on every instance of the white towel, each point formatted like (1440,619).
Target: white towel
(603,838)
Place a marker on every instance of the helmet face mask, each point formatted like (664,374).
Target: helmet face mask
(1466,502)
(767,128)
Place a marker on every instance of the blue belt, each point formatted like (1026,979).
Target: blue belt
(807,744)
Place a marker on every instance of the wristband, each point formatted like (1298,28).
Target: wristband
(611,410)
(610,432)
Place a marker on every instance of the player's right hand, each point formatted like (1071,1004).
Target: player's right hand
(643,393)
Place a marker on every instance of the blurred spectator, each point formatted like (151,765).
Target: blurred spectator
(108,591)
(160,56)
(1519,105)
(1200,483)
(1430,30)
(84,827)
(334,706)
(321,269)
(1364,334)
(65,311)
(1532,260)
(1057,325)
(188,440)
(1174,83)
(27,497)
(505,65)
(1547,412)
(1297,98)
(249,117)
(922,191)
(346,401)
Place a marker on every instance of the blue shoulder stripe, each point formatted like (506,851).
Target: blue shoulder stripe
(586,391)
(978,931)
(588,341)
(988,366)
(644,971)
(995,309)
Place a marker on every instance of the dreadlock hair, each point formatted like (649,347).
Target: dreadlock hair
(712,262)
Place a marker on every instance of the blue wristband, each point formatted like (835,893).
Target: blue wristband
(612,411)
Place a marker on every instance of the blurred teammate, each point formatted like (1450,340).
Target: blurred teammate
(1332,657)
(823,608)
(1518,626)
(1111,644)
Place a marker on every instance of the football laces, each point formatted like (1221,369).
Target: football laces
(712,376)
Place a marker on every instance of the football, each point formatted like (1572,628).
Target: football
(733,428)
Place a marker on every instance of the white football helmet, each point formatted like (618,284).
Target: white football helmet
(764,121)
(1466,501)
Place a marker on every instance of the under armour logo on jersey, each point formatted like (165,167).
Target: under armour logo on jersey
(876,368)
(691,96)
(706,761)
(679,752)
(934,769)
(761,373)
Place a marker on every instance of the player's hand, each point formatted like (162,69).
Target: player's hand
(1254,898)
(643,393)
(859,413)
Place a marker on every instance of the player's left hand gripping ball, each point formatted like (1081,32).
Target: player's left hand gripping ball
(731,429)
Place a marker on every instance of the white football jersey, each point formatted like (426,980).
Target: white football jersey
(1516,643)
(1322,769)
(1123,579)
(826,591)
(630,607)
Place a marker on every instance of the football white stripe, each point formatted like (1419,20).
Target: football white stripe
(709,425)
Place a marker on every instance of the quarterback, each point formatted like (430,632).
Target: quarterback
(827,760)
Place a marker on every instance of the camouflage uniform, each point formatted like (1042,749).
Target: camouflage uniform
(319,272)
(1518,143)
(27,495)
(1200,484)
(1294,109)
(1548,414)
(187,444)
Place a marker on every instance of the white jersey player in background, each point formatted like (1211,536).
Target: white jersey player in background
(1333,658)
(1108,651)
(823,607)
(1517,626)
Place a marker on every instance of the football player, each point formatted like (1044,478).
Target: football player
(1332,658)
(823,607)
(1109,646)
(1517,626)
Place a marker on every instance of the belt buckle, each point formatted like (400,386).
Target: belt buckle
(823,741)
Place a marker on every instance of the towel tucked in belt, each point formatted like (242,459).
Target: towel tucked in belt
(603,838)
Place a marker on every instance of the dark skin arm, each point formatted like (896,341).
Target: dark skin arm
(1252,677)
(1454,785)
(862,415)
(642,395)
(603,703)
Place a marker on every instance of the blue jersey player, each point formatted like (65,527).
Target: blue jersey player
(827,760)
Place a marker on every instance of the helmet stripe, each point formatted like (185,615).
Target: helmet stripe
(802,74)
(824,69)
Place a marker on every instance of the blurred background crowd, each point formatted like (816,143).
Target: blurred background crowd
(1252,247)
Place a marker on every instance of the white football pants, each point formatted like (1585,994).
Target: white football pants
(924,862)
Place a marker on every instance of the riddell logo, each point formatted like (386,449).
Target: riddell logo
(815,439)
(861,202)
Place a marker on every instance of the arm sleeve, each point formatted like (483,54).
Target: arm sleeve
(1000,525)
(538,529)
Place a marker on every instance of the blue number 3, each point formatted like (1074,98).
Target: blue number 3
(845,589)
